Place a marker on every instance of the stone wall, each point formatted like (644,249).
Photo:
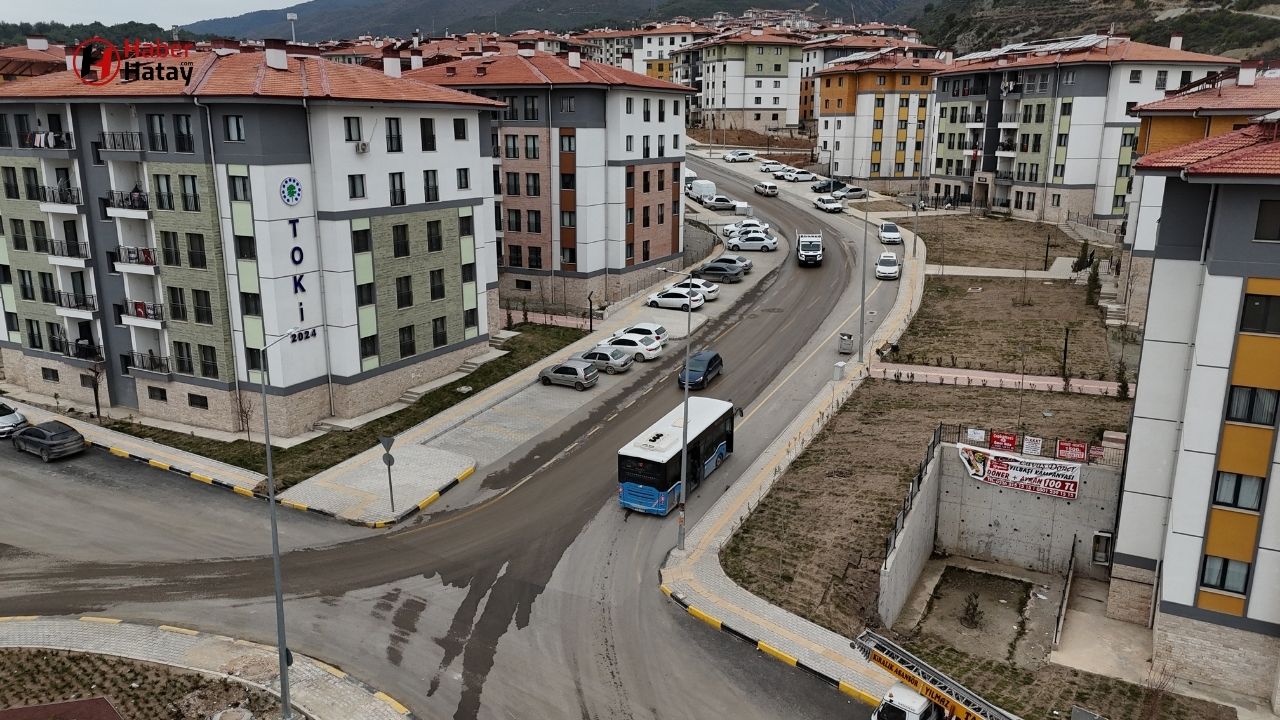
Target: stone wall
(366,395)
(1203,652)
(913,548)
(26,370)
(1129,594)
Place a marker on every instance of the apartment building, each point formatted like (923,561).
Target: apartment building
(751,79)
(656,46)
(872,119)
(324,222)
(587,174)
(823,51)
(1039,129)
(1197,549)
(608,46)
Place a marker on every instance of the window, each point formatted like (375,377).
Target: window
(157,140)
(644,181)
(1066,108)
(246,247)
(169,252)
(1261,314)
(190,194)
(251,303)
(431,185)
(195,251)
(355,186)
(396,180)
(435,237)
(239,185)
(34,338)
(400,241)
(530,107)
(204,308)
(460,129)
(1237,491)
(464,178)
(568,218)
(568,256)
(369,346)
(49,374)
(1135,77)
(631,143)
(533,222)
(471,318)
(568,143)
(532,184)
(427,127)
(662,210)
(1031,200)
(904,102)
(531,147)
(513,183)
(877,124)
(408,346)
(630,106)
(513,222)
(1055,200)
(566,104)
(439,332)
(182,131)
(361,241)
(535,258)
(1223,574)
(253,359)
(158,394)
(163,192)
(365,295)
(1268,225)
(511,111)
(524,285)
(512,145)
(395,141)
(568,181)
(437,284)
(1186,78)
(468,272)
(182,357)
(404,291)
(1059,170)
(235,128)
(177,304)
(1069,77)
(1252,405)
(466,225)
(901,146)
(352,125)
(208,361)
(1162,79)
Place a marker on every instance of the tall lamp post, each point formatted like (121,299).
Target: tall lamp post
(292,18)
(281,648)
(684,427)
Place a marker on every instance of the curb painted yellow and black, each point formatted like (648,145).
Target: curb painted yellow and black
(770,650)
(215,482)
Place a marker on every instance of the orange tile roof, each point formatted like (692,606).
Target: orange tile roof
(869,42)
(1261,97)
(55,54)
(767,36)
(677,29)
(889,63)
(534,35)
(1114,51)
(1253,151)
(540,69)
(247,75)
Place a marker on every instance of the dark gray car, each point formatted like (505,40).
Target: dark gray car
(611,361)
(577,374)
(719,272)
(49,440)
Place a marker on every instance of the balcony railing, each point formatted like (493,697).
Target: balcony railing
(1012,117)
(135,255)
(83,349)
(121,140)
(150,362)
(6,140)
(47,139)
(1004,175)
(159,142)
(184,143)
(69,248)
(144,310)
(128,200)
(50,194)
(40,243)
(1006,147)
(164,200)
(76,301)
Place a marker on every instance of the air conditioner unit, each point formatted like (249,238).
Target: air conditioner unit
(362,148)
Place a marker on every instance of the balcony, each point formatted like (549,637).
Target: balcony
(977,122)
(121,141)
(69,253)
(48,140)
(138,260)
(1004,176)
(75,301)
(63,200)
(150,362)
(1009,120)
(1006,149)
(82,349)
(133,204)
(143,314)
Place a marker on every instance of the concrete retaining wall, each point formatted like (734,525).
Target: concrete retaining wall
(1032,531)
(902,567)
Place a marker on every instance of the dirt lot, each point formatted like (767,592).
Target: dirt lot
(1050,691)
(1016,623)
(140,691)
(994,329)
(815,543)
(747,138)
(991,242)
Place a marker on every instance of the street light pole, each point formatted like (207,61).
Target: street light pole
(684,426)
(862,302)
(281,648)
(292,18)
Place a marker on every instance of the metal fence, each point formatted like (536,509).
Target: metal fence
(1066,593)
(1088,220)
(900,519)
(1033,445)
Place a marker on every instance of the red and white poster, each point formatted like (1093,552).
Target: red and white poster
(1096,453)
(1074,450)
(1004,440)
(1032,445)
(1044,477)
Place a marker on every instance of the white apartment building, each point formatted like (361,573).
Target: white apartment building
(751,80)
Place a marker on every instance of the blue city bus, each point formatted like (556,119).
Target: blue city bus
(649,466)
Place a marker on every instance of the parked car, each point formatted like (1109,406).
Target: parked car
(720,272)
(827,186)
(737,261)
(49,440)
(11,420)
(826,203)
(739,156)
(799,176)
(703,366)
(771,166)
(718,202)
(887,267)
(889,234)
(641,347)
(612,361)
(653,330)
(767,189)
(679,299)
(849,192)
(577,374)
(753,240)
(744,225)
(709,290)
(782,171)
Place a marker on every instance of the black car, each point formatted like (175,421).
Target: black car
(826,186)
(719,272)
(49,440)
(703,366)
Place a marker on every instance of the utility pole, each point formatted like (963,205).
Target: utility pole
(862,270)
(1046,250)
(1066,341)
(684,427)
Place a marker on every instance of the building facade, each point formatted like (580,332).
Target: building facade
(1040,129)
(586,174)
(873,122)
(186,240)
(751,80)
(1197,554)
(656,46)
(825,50)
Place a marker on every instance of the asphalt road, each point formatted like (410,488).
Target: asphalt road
(539,600)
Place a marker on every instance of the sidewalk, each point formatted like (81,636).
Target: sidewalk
(1059,270)
(989,378)
(321,691)
(695,579)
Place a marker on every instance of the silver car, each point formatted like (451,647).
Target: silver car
(612,361)
(11,421)
(577,374)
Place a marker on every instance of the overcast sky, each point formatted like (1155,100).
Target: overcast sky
(115,11)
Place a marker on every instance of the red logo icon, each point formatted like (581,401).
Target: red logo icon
(97,61)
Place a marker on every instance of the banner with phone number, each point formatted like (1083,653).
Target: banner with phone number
(1044,477)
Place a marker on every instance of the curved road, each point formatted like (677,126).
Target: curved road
(534,596)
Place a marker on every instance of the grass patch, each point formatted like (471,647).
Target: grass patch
(295,464)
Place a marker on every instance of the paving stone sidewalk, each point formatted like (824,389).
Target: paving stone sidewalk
(319,690)
(989,378)
(1059,270)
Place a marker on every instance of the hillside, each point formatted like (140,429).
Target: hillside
(16,33)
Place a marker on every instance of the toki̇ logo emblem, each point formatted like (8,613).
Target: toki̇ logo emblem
(96,61)
(291,191)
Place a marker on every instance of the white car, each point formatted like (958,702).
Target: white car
(654,330)
(744,224)
(887,266)
(678,299)
(752,241)
(889,234)
(799,176)
(782,172)
(767,189)
(709,290)
(641,347)
(771,166)
(826,203)
(739,156)
(849,193)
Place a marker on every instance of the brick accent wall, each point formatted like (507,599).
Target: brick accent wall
(1238,660)
(1129,595)
(359,398)
(26,370)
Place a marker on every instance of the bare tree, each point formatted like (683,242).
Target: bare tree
(244,412)
(1155,693)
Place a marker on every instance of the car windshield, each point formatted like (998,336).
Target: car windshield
(889,227)
(887,262)
(810,246)
(646,340)
(6,410)
(67,434)
(617,354)
(698,364)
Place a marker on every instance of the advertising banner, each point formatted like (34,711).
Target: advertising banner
(1032,445)
(1004,440)
(1074,450)
(1044,477)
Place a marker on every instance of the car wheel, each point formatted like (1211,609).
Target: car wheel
(17,445)
(735,248)
(44,454)
(639,357)
(684,307)
(579,386)
(546,381)
(611,370)
(653,303)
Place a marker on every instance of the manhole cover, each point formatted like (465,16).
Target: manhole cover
(974,290)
